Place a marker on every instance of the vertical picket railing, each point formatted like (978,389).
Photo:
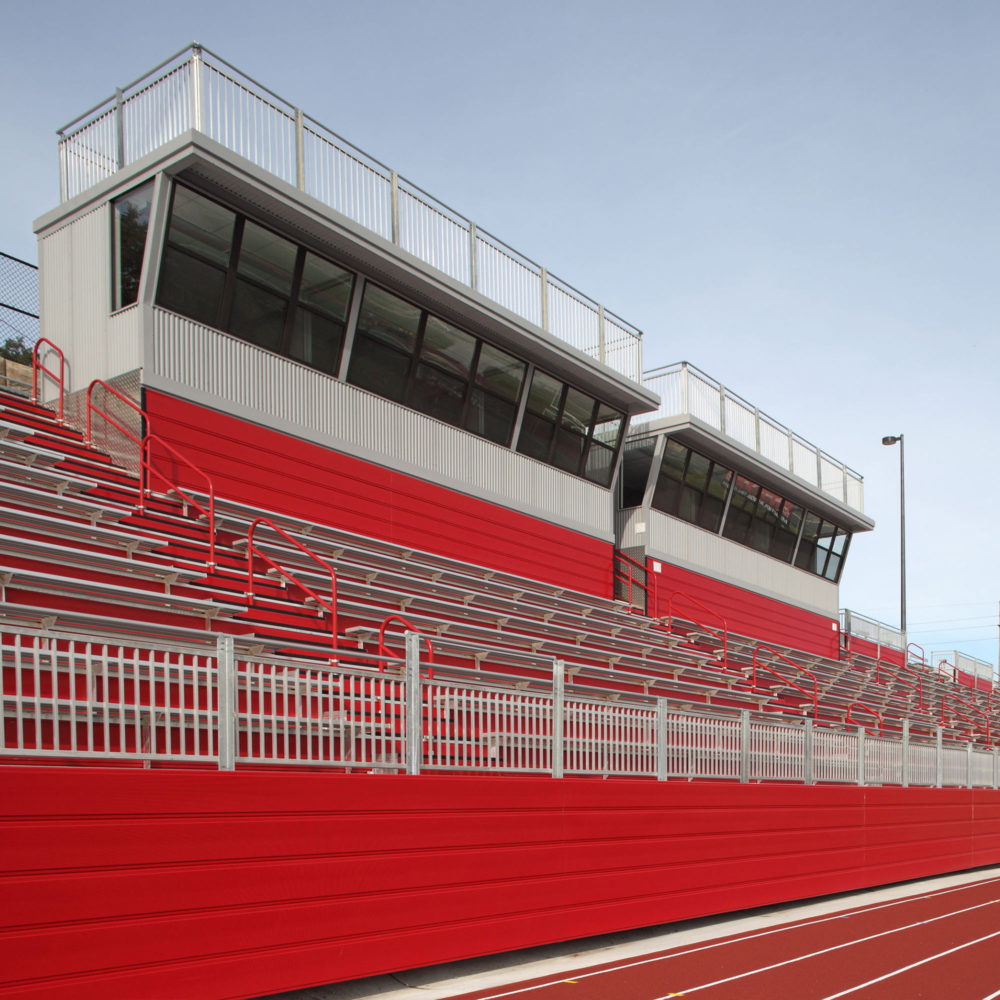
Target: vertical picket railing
(196,89)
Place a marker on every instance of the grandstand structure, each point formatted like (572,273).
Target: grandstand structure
(366,606)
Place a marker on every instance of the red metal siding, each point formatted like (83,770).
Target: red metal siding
(168,883)
(279,472)
(751,614)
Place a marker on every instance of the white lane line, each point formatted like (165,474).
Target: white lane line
(993,996)
(749,937)
(836,947)
(914,965)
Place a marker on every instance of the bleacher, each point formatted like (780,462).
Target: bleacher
(87,549)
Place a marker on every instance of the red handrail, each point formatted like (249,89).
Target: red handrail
(704,607)
(798,687)
(630,579)
(147,470)
(37,366)
(918,686)
(913,645)
(968,704)
(252,550)
(93,408)
(848,719)
(383,650)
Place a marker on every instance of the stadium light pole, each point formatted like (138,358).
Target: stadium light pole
(890,440)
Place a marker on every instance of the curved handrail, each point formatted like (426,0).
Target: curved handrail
(37,366)
(252,550)
(146,471)
(968,704)
(630,579)
(704,607)
(913,645)
(918,686)
(815,691)
(93,408)
(849,720)
(384,650)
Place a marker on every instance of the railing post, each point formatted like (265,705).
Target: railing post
(394,205)
(939,758)
(226,693)
(414,705)
(601,345)
(197,93)
(905,777)
(722,409)
(807,765)
(119,127)
(819,470)
(744,746)
(300,154)
(684,389)
(791,452)
(861,756)
(756,429)
(544,277)
(661,739)
(473,269)
(558,716)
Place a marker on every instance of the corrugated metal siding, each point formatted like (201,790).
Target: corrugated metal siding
(75,298)
(280,393)
(279,472)
(165,884)
(682,543)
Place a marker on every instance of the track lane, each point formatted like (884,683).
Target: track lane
(728,966)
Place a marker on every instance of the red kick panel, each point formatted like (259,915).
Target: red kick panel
(275,471)
(166,883)
(747,613)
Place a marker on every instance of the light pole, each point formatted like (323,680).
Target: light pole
(890,440)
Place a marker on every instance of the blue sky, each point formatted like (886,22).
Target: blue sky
(798,197)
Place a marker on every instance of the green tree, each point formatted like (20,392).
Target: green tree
(16,349)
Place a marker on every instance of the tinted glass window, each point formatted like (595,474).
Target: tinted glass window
(636,462)
(325,288)
(499,373)
(267,259)
(201,227)
(131,216)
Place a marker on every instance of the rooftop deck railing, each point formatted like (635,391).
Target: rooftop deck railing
(196,89)
(685,390)
(78,697)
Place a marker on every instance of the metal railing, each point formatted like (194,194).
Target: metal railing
(39,372)
(196,89)
(75,696)
(18,305)
(871,630)
(686,391)
(717,628)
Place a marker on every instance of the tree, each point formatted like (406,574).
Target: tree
(16,349)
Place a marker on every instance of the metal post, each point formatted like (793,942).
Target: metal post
(744,746)
(791,453)
(544,275)
(558,716)
(300,152)
(120,127)
(756,429)
(394,195)
(684,390)
(861,756)
(939,758)
(601,346)
(473,270)
(414,705)
(807,764)
(722,409)
(197,93)
(226,692)
(905,780)
(661,739)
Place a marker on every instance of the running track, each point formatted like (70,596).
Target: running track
(943,945)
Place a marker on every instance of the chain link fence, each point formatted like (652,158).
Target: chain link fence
(18,308)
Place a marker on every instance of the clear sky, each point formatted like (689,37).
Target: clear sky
(798,197)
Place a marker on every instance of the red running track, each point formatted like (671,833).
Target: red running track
(943,945)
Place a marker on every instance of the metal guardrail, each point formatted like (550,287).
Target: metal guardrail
(69,697)
(971,665)
(196,89)
(685,390)
(870,629)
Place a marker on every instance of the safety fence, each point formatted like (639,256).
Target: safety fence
(78,697)
(18,318)
(196,89)
(686,391)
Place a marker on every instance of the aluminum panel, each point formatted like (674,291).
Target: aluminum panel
(290,397)
(683,544)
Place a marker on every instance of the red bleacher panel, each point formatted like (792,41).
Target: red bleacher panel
(748,613)
(281,473)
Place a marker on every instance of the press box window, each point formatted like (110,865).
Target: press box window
(131,223)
